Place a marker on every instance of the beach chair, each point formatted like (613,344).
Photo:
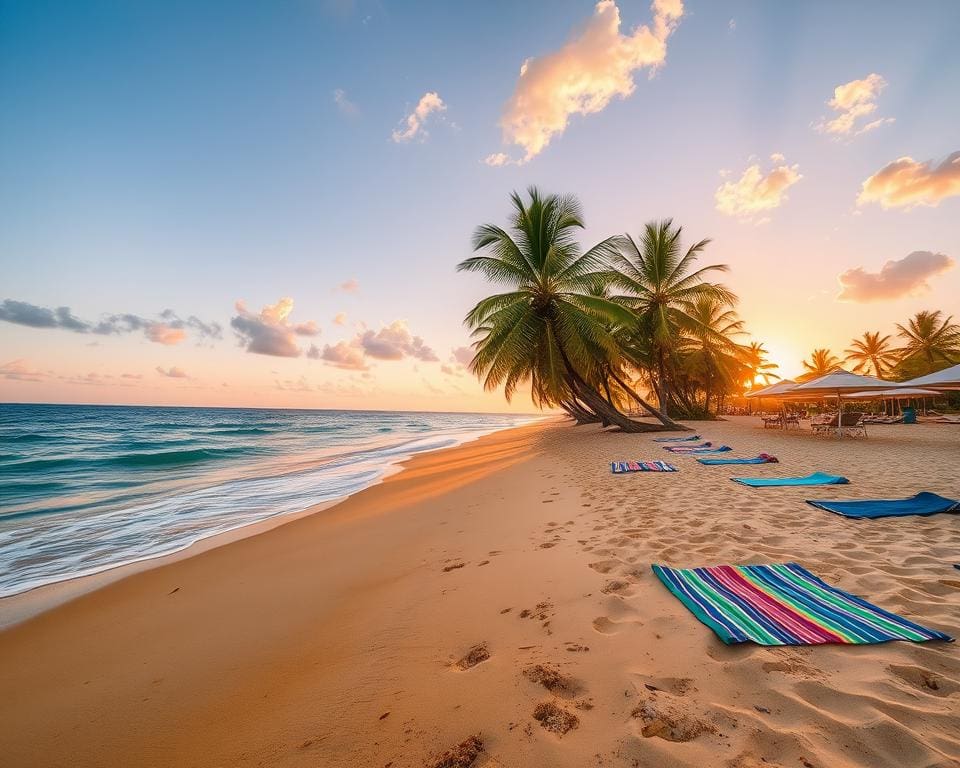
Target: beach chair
(771,422)
(851,424)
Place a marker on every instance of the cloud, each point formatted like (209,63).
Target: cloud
(350,286)
(173,372)
(164,334)
(294,385)
(344,104)
(340,318)
(905,183)
(169,328)
(270,332)
(21,370)
(497,159)
(596,65)
(344,355)
(394,342)
(391,342)
(853,101)
(413,124)
(462,355)
(732,25)
(896,278)
(755,191)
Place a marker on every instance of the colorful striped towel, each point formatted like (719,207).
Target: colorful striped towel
(817,478)
(783,604)
(676,439)
(924,503)
(763,458)
(687,448)
(619,467)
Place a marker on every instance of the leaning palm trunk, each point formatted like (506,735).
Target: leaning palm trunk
(659,415)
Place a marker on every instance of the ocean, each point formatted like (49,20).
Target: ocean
(88,488)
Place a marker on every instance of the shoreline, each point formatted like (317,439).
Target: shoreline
(19,607)
(486,581)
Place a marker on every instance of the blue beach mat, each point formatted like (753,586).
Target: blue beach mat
(924,503)
(763,458)
(676,439)
(621,467)
(817,478)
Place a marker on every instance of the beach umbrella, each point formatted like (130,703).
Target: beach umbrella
(948,378)
(775,390)
(837,384)
(885,394)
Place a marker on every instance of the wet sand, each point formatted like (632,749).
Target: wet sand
(502,589)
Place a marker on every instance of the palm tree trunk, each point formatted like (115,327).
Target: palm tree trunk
(609,415)
(659,415)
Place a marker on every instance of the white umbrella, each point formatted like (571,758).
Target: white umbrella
(773,390)
(887,394)
(837,383)
(948,378)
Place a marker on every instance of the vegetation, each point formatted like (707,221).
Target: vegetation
(636,326)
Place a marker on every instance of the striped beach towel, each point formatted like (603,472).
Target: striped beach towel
(676,439)
(620,467)
(783,604)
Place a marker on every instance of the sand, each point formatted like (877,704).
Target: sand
(502,590)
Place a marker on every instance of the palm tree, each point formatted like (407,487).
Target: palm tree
(872,354)
(711,355)
(930,340)
(822,362)
(547,329)
(655,279)
(756,363)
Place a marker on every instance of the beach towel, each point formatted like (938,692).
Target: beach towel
(784,604)
(687,448)
(817,478)
(619,467)
(706,451)
(676,439)
(924,503)
(763,458)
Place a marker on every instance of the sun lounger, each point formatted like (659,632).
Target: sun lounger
(924,503)
(676,439)
(784,604)
(763,458)
(622,467)
(852,424)
(817,478)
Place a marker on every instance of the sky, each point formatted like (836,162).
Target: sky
(263,204)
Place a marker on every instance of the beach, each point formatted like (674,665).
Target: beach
(506,577)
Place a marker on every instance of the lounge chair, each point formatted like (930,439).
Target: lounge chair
(851,424)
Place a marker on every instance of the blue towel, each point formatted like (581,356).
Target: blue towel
(924,503)
(817,478)
(762,459)
(676,439)
(707,451)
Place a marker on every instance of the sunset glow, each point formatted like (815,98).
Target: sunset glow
(187,227)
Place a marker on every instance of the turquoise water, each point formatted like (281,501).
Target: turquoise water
(87,488)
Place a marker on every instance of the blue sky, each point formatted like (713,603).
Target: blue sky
(185,156)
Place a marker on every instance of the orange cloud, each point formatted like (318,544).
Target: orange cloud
(852,101)
(164,334)
(896,278)
(906,183)
(21,370)
(413,124)
(270,332)
(584,76)
(755,191)
(173,372)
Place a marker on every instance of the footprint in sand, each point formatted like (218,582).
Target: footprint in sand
(476,655)
(923,679)
(605,566)
(554,718)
